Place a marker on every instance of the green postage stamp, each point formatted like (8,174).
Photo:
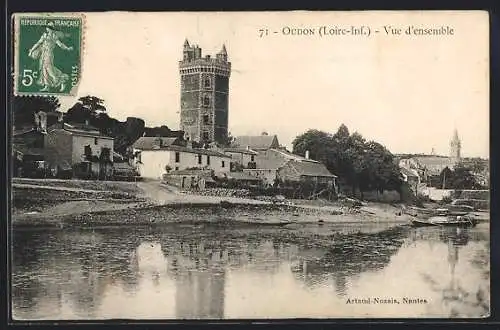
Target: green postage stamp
(47,53)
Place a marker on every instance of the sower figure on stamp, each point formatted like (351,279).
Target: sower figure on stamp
(50,76)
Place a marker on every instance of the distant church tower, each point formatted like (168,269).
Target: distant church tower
(204,94)
(455,148)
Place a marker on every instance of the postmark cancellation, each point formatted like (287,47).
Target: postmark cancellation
(47,53)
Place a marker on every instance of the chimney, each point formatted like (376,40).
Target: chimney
(248,147)
(41,121)
(307,154)
(189,144)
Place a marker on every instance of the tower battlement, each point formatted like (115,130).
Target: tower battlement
(204,94)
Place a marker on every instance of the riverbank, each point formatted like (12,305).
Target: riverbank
(68,203)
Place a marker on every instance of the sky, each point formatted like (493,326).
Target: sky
(407,92)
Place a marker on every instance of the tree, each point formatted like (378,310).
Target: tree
(87,108)
(105,160)
(227,141)
(314,141)
(463,179)
(362,165)
(24,108)
(445,178)
(93,103)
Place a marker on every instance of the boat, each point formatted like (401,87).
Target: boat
(421,223)
(446,221)
(457,221)
(423,212)
(428,213)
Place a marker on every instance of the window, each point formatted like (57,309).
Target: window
(206,119)
(208,160)
(252,158)
(205,136)
(96,140)
(199,159)
(177,157)
(177,168)
(206,101)
(223,164)
(207,82)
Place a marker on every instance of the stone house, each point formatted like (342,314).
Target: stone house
(306,171)
(280,165)
(82,146)
(32,158)
(152,157)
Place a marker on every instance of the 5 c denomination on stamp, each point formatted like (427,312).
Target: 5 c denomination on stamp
(47,53)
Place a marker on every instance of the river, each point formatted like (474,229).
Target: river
(200,272)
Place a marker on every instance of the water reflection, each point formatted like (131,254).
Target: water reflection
(460,300)
(212,273)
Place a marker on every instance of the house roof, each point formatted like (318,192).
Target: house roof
(276,158)
(308,168)
(81,126)
(25,131)
(147,142)
(78,129)
(257,141)
(433,164)
(407,172)
(241,151)
(289,155)
(270,161)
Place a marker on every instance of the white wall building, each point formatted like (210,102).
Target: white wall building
(151,160)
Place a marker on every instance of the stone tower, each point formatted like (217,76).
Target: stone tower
(204,94)
(455,148)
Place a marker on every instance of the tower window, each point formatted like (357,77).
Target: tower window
(205,136)
(177,156)
(206,119)
(223,164)
(96,140)
(207,82)
(252,158)
(199,159)
(206,101)
(208,160)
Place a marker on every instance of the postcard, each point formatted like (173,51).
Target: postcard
(250,165)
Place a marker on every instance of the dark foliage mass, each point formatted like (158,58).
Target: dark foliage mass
(93,110)
(25,107)
(461,177)
(363,165)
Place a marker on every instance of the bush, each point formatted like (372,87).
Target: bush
(446,200)
(420,200)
